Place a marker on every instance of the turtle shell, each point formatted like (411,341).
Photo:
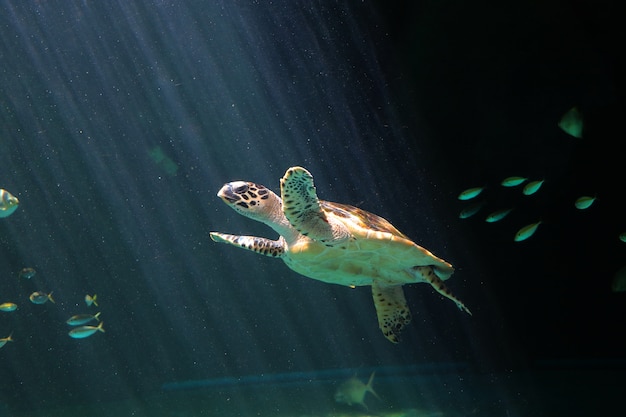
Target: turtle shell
(378,252)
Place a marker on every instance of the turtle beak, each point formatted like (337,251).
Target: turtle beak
(226,194)
(231,192)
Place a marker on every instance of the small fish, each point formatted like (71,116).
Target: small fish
(89,300)
(81,319)
(532,187)
(39,297)
(27,273)
(85,331)
(8,203)
(471,210)
(497,215)
(353,391)
(619,280)
(470,193)
(526,232)
(164,161)
(513,181)
(572,123)
(4,340)
(622,237)
(8,307)
(584,202)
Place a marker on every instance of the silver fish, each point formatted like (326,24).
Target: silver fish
(4,340)
(85,331)
(81,319)
(27,273)
(353,391)
(8,203)
(39,297)
(91,299)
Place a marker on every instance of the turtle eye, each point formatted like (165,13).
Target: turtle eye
(241,189)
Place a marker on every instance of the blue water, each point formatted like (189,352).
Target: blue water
(120,121)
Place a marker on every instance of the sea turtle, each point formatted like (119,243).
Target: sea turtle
(337,243)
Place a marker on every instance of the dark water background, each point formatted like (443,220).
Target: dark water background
(394,109)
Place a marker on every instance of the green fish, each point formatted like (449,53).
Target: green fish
(532,187)
(471,210)
(584,202)
(526,232)
(618,284)
(470,193)
(497,215)
(512,181)
(160,158)
(572,123)
(353,391)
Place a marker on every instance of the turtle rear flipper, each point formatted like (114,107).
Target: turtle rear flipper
(391,309)
(303,209)
(428,274)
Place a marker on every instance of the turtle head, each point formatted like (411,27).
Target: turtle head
(251,200)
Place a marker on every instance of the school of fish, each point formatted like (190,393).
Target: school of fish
(529,189)
(572,124)
(79,322)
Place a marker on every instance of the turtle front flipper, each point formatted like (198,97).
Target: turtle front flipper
(303,209)
(391,309)
(427,274)
(267,247)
